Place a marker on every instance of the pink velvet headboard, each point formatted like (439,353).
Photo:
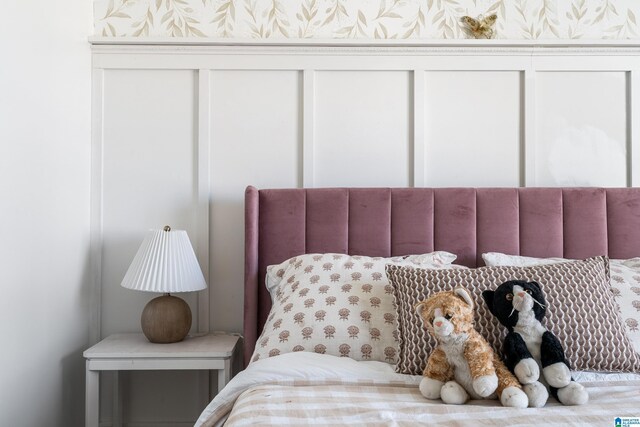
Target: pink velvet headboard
(540,222)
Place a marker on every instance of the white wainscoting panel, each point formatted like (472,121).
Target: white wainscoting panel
(581,129)
(363,129)
(149,181)
(255,140)
(149,163)
(472,125)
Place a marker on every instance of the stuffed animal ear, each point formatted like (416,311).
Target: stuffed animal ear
(462,293)
(488,299)
(420,307)
(537,285)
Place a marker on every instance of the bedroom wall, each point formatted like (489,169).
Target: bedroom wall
(365,19)
(45,142)
(184,129)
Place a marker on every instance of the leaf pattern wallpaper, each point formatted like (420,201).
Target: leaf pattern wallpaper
(365,19)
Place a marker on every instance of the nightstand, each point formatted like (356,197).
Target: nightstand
(133,352)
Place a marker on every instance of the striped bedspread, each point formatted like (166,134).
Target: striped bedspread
(312,390)
(336,404)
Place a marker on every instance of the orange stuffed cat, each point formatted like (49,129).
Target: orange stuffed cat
(463,364)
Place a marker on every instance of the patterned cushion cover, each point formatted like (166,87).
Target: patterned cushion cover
(335,304)
(581,311)
(625,286)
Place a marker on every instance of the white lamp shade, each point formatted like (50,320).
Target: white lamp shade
(165,263)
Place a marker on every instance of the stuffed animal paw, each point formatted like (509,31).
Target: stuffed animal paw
(537,394)
(573,394)
(527,371)
(514,397)
(557,375)
(454,394)
(430,388)
(485,385)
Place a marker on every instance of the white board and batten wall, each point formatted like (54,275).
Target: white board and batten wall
(179,131)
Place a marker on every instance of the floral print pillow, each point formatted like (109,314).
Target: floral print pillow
(336,304)
(625,286)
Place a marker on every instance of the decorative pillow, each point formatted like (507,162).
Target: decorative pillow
(494,259)
(335,304)
(581,313)
(625,286)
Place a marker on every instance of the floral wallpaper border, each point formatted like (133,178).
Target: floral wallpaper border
(365,19)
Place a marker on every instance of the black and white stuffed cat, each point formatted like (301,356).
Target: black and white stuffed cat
(529,346)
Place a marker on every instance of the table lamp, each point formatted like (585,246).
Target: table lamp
(165,263)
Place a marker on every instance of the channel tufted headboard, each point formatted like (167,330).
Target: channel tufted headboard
(540,222)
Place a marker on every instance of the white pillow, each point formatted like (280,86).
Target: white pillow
(336,304)
(496,259)
(625,285)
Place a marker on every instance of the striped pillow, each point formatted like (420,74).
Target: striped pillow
(581,311)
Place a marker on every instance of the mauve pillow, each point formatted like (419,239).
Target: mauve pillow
(581,311)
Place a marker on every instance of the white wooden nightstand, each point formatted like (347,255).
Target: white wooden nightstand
(133,352)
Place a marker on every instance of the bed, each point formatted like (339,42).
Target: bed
(304,387)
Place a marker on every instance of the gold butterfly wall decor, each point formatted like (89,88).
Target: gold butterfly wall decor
(481,28)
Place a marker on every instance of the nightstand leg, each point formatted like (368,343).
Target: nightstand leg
(205,385)
(92,396)
(117,399)
(224,375)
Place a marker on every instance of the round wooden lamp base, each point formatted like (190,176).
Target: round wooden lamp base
(166,319)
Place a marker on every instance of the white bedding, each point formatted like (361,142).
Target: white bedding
(310,388)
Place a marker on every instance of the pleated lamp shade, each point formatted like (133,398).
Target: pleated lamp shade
(165,263)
